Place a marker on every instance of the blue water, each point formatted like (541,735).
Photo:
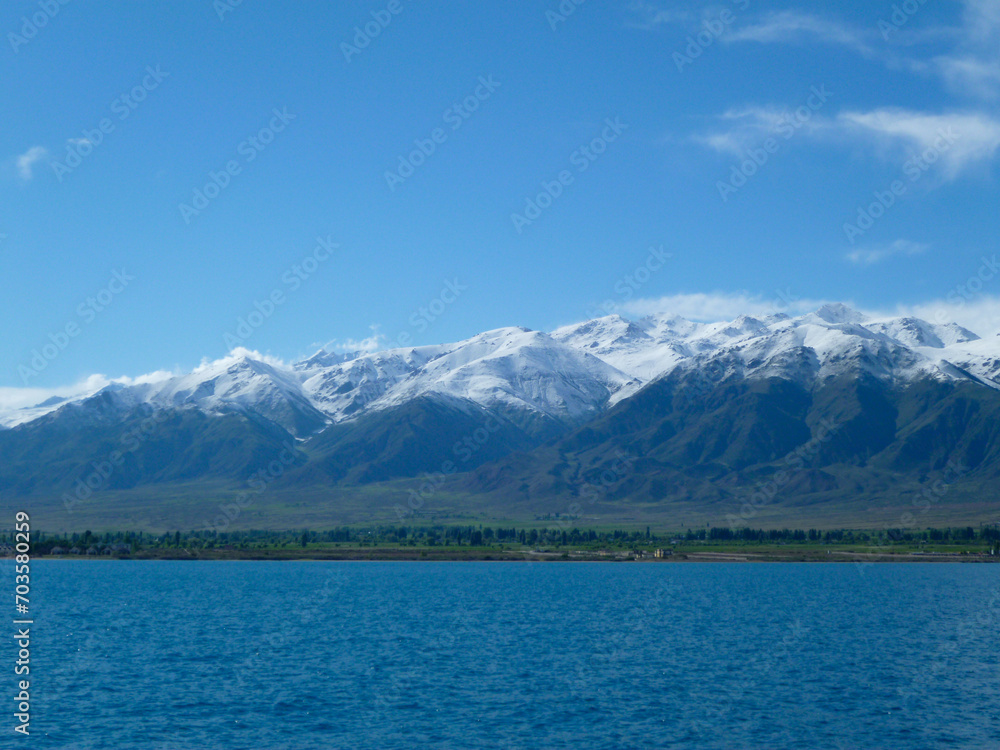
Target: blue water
(506,655)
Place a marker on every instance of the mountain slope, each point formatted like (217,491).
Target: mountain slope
(135,448)
(839,443)
(426,435)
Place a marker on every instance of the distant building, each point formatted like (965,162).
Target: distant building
(57,551)
(663,553)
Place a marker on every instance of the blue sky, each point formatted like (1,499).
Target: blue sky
(705,159)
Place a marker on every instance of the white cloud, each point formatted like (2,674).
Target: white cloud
(649,16)
(958,139)
(149,377)
(719,306)
(733,142)
(973,68)
(349,346)
(367,345)
(982,21)
(235,355)
(955,141)
(979,313)
(27,161)
(19,398)
(870,254)
(749,126)
(797,27)
(970,75)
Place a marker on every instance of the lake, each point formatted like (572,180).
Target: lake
(130,654)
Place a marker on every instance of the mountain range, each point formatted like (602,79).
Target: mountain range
(829,418)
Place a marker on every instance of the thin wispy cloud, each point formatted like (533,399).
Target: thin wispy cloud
(713,307)
(21,398)
(980,314)
(799,27)
(235,355)
(973,68)
(958,140)
(26,161)
(971,76)
(982,21)
(866,256)
(372,343)
(954,141)
(349,346)
(648,16)
(746,127)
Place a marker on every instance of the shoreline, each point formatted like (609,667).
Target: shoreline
(400,555)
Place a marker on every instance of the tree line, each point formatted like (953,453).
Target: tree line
(116,542)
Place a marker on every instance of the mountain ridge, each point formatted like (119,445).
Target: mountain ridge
(521,420)
(608,357)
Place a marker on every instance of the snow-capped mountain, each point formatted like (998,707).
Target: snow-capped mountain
(512,369)
(522,416)
(644,349)
(831,341)
(569,375)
